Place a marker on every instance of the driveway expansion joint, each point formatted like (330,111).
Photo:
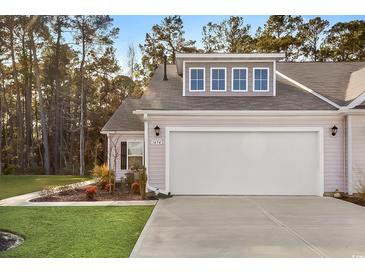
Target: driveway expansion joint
(315,249)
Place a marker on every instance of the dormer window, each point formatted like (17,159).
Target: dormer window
(228,74)
(197,79)
(239,79)
(260,79)
(218,79)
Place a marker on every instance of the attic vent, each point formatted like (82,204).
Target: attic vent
(164,68)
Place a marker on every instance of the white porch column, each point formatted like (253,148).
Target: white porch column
(145,142)
(349,153)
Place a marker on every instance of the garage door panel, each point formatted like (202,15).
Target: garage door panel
(244,163)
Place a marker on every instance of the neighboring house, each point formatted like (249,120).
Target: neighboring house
(245,124)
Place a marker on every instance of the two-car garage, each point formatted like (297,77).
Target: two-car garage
(244,161)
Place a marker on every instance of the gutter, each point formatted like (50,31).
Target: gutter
(279,55)
(238,112)
(122,132)
(357,101)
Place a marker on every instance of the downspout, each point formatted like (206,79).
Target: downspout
(349,153)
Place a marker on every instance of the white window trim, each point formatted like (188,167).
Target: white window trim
(268,79)
(133,141)
(225,80)
(197,90)
(184,79)
(239,90)
(274,78)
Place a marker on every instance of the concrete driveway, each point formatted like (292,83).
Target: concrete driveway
(223,226)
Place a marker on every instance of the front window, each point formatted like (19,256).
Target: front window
(261,79)
(218,77)
(135,155)
(239,79)
(197,82)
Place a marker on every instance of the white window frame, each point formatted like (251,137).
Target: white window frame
(197,90)
(135,141)
(239,90)
(211,80)
(268,79)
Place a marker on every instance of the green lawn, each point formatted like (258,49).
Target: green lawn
(12,185)
(64,232)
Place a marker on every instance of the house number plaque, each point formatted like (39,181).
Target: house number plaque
(156,142)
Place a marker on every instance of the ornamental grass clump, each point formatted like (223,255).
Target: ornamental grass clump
(104,176)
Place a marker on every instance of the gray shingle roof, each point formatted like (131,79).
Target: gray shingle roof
(324,78)
(124,119)
(329,79)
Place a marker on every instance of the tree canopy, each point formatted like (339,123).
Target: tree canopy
(280,34)
(166,38)
(231,35)
(60,79)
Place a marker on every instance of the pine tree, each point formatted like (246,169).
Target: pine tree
(231,35)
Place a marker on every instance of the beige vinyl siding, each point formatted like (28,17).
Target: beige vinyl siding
(228,66)
(358,150)
(333,146)
(117,139)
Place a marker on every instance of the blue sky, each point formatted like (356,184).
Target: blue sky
(133,28)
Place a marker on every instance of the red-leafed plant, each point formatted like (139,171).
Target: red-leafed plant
(108,187)
(135,187)
(90,192)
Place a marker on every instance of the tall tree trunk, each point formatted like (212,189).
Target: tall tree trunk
(37,134)
(41,105)
(56,145)
(28,103)
(82,104)
(19,122)
(1,118)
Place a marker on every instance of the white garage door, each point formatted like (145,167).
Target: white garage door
(244,163)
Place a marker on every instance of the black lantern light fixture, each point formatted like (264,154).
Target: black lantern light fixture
(157,130)
(334,130)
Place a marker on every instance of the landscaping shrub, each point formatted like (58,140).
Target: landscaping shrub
(33,170)
(9,169)
(103,175)
(90,192)
(108,187)
(129,179)
(135,188)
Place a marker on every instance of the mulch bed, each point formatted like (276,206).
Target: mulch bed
(353,199)
(9,240)
(79,195)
